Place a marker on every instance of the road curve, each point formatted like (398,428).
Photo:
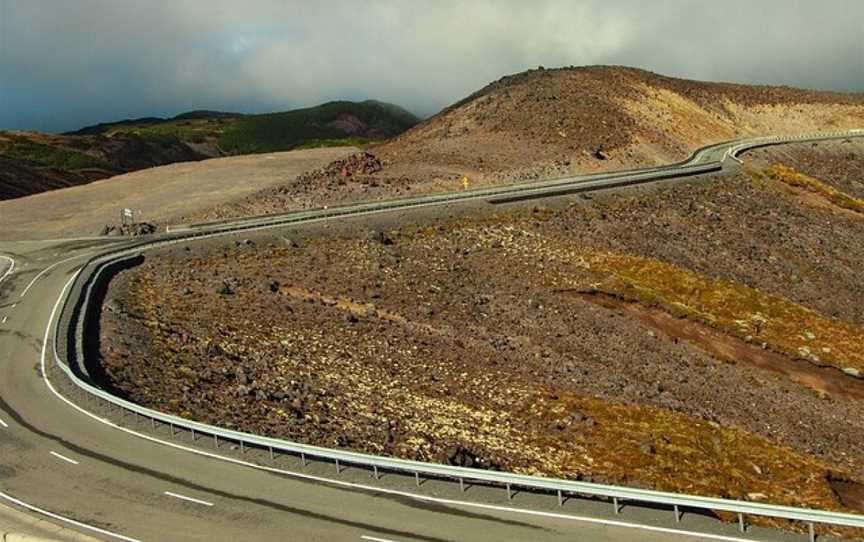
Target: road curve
(106,482)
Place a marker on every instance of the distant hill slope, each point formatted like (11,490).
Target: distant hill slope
(33,162)
(567,120)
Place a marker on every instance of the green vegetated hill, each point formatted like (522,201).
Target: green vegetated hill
(32,162)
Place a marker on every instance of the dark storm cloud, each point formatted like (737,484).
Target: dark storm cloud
(64,64)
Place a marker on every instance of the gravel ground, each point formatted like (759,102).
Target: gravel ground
(451,343)
(837,163)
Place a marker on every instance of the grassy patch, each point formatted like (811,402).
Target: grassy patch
(171,132)
(732,307)
(675,452)
(288,130)
(51,156)
(343,142)
(794,178)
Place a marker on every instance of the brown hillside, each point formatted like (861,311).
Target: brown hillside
(547,123)
(555,121)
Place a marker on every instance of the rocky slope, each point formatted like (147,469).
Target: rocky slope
(588,342)
(547,123)
(606,117)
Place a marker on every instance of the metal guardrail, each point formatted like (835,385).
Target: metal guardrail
(695,159)
(78,309)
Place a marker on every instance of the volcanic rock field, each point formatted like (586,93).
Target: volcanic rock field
(704,337)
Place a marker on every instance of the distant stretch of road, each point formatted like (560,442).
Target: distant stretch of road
(81,471)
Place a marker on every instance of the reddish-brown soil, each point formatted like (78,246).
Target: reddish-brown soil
(725,347)
(851,494)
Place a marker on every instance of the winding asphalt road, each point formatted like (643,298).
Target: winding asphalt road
(98,479)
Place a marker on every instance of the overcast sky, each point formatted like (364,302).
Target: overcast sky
(65,64)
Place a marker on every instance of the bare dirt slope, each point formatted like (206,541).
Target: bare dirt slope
(606,117)
(704,338)
(163,195)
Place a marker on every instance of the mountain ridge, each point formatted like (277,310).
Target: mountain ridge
(35,162)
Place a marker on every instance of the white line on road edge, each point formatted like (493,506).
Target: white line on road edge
(376,539)
(364,487)
(49,268)
(58,517)
(3,424)
(11,266)
(190,499)
(4,320)
(64,458)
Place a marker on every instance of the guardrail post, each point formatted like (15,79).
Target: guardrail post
(812,532)
(461,484)
(509,493)
(270,449)
(677,514)
(560,498)
(417,478)
(615,505)
(153,422)
(193,434)
(215,440)
(337,467)
(741,524)
(242,448)
(303,458)
(171,426)
(375,472)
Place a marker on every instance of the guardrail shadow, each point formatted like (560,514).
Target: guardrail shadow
(91,368)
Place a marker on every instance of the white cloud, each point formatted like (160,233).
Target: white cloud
(93,60)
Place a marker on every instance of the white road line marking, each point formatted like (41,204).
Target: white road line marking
(190,499)
(47,269)
(342,483)
(64,458)
(4,320)
(58,517)
(11,267)
(376,539)
(3,424)
(13,305)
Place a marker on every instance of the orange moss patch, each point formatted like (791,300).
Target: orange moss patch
(735,308)
(524,427)
(796,179)
(671,451)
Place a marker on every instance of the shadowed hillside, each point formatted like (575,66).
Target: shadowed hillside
(33,162)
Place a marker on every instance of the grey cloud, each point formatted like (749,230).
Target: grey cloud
(64,64)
